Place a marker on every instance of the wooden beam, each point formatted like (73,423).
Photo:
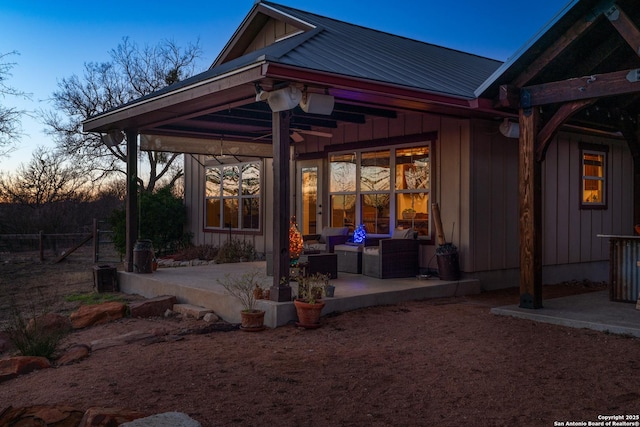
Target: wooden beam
(545,58)
(131,201)
(625,26)
(530,187)
(594,86)
(281,291)
(551,127)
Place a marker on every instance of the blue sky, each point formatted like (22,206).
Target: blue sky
(55,39)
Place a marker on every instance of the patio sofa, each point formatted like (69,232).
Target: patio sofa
(327,240)
(392,258)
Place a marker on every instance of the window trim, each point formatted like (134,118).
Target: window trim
(598,149)
(239,197)
(429,141)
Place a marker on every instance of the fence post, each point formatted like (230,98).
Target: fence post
(41,245)
(95,240)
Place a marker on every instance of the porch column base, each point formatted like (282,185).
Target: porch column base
(527,301)
(280,293)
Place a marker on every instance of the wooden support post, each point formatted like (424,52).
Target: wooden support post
(530,188)
(131,202)
(281,291)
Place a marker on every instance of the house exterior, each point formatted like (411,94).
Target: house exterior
(335,124)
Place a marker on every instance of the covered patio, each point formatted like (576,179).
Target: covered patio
(198,286)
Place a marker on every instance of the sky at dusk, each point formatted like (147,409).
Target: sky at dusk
(55,39)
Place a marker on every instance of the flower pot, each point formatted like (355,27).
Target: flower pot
(308,314)
(252,321)
(329,290)
(448,266)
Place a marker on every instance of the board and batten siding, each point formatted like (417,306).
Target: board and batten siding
(194,200)
(570,233)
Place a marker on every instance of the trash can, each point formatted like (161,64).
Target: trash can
(105,278)
(143,257)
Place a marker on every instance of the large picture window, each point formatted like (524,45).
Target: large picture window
(232,199)
(593,194)
(382,189)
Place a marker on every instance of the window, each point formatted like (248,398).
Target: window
(593,177)
(233,197)
(382,189)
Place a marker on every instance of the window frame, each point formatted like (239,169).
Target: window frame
(239,197)
(393,191)
(599,150)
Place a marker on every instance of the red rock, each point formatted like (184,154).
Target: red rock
(20,365)
(59,416)
(52,322)
(153,307)
(89,315)
(107,417)
(74,354)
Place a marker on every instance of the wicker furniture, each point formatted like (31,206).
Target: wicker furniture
(349,258)
(320,263)
(327,240)
(391,258)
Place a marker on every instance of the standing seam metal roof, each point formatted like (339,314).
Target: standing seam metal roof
(355,51)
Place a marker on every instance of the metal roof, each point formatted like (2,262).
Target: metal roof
(346,49)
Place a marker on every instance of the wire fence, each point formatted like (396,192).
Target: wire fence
(61,245)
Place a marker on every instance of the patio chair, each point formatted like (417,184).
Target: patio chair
(326,241)
(392,258)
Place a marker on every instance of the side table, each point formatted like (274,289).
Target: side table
(349,258)
(320,263)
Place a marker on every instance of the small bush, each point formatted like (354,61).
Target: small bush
(236,251)
(93,298)
(201,252)
(32,338)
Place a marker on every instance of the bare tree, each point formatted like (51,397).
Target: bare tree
(43,194)
(132,73)
(10,128)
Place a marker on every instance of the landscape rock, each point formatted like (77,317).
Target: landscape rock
(191,310)
(74,354)
(40,415)
(107,417)
(88,315)
(211,318)
(127,338)
(167,419)
(20,365)
(153,307)
(50,322)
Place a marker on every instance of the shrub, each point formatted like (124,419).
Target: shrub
(162,219)
(236,251)
(32,338)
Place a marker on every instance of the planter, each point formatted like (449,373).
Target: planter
(252,321)
(448,266)
(308,314)
(329,290)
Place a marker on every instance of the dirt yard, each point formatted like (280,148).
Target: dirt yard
(445,362)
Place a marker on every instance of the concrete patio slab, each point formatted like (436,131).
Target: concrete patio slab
(198,286)
(592,310)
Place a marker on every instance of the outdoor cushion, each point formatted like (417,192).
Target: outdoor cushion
(400,233)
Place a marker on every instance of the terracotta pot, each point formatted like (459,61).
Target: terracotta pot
(308,314)
(252,320)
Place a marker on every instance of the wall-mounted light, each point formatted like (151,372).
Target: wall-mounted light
(317,103)
(510,129)
(113,138)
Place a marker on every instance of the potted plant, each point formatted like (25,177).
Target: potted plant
(244,288)
(448,264)
(309,303)
(409,213)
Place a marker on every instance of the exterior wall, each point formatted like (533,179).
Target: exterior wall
(272,31)
(571,248)
(475,182)
(194,200)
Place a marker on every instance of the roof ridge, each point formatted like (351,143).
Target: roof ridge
(387,33)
